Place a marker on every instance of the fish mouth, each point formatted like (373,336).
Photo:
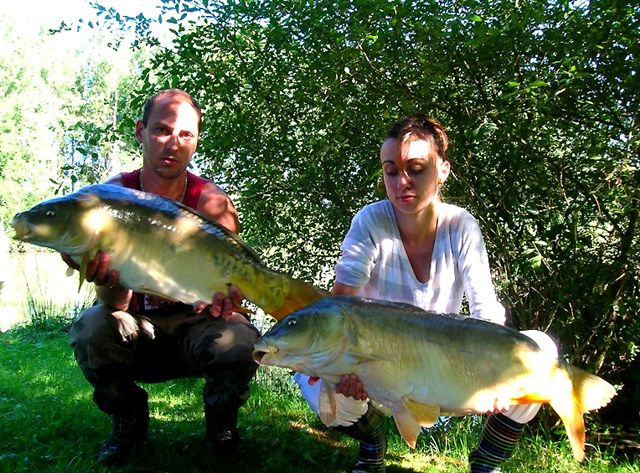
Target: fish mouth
(21,228)
(263,352)
(258,355)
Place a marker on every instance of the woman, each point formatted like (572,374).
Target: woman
(414,248)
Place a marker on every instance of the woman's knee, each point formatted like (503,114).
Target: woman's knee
(544,341)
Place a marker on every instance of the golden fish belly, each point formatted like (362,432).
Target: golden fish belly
(176,259)
(460,377)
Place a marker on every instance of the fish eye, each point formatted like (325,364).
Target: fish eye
(50,213)
(292,322)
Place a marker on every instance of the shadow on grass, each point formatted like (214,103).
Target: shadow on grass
(50,424)
(282,444)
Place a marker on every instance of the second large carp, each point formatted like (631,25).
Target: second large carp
(420,365)
(159,247)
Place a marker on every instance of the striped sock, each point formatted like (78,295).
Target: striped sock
(369,431)
(498,441)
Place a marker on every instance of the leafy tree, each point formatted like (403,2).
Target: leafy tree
(540,99)
(58,106)
(97,105)
(27,154)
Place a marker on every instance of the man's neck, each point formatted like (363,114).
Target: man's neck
(171,188)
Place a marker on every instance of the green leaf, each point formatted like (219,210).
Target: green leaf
(538,83)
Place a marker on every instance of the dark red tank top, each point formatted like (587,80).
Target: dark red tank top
(195,185)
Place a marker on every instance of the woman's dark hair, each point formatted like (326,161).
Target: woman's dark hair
(419,126)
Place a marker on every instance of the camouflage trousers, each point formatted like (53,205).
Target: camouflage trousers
(115,350)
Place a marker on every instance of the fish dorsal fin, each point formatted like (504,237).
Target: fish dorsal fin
(425,414)
(327,404)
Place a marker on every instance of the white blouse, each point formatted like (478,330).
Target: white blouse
(374,259)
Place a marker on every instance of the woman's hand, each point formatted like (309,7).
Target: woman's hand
(351,386)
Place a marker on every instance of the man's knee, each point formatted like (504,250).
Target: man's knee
(102,338)
(91,322)
(101,324)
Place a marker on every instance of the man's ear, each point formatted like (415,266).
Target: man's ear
(139,129)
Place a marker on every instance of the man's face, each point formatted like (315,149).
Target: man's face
(170,137)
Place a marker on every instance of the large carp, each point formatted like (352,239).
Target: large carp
(420,364)
(159,247)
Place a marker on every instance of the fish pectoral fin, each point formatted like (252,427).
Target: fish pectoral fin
(86,257)
(327,404)
(407,426)
(425,415)
(359,358)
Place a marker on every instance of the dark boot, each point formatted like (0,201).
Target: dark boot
(369,431)
(498,440)
(222,429)
(129,433)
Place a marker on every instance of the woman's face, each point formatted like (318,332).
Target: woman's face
(412,173)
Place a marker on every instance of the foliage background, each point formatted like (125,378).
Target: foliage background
(540,99)
(61,97)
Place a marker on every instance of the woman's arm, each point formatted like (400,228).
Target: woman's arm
(473,263)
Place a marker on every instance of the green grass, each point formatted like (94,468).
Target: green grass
(48,423)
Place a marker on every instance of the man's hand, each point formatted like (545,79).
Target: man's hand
(351,386)
(107,281)
(98,271)
(222,305)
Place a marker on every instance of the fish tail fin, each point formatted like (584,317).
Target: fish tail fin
(594,391)
(300,294)
(579,392)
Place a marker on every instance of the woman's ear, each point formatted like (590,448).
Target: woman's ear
(444,168)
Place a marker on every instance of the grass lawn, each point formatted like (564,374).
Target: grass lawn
(48,423)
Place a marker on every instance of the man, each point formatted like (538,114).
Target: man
(131,337)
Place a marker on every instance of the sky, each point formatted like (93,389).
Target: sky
(38,14)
